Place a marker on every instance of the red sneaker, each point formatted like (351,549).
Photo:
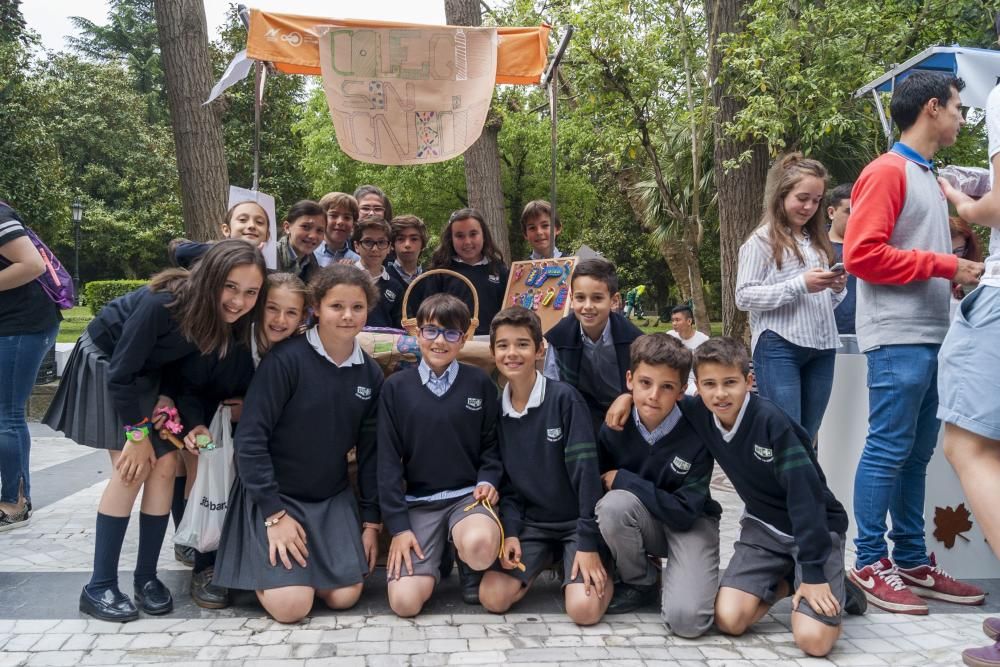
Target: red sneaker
(930,581)
(882,586)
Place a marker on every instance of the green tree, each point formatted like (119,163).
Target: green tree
(128,39)
(282,174)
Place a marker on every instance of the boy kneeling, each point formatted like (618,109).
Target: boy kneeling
(552,479)
(657,474)
(437,457)
(793,529)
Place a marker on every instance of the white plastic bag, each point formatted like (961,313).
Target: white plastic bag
(201,526)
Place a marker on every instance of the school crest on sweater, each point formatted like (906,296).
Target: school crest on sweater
(553,434)
(680,466)
(364,393)
(474,404)
(765,454)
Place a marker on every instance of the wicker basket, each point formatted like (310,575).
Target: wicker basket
(410,323)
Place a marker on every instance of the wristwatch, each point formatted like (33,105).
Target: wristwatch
(137,434)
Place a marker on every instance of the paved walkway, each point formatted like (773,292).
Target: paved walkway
(42,567)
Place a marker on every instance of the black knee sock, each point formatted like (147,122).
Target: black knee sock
(203,561)
(152,528)
(107,550)
(179,502)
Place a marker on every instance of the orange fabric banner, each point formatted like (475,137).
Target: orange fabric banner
(289,41)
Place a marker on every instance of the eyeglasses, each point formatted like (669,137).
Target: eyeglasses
(372,209)
(431,332)
(368,244)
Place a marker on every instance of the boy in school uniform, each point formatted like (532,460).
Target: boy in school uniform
(793,530)
(408,238)
(437,459)
(656,472)
(590,350)
(540,228)
(371,240)
(552,481)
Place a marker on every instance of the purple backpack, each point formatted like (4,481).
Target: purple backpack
(55,281)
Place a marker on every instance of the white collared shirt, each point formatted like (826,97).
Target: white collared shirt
(550,367)
(664,427)
(438,384)
(326,257)
(384,276)
(481,262)
(534,399)
(731,433)
(357,356)
(556,254)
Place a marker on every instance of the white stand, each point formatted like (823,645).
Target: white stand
(841,441)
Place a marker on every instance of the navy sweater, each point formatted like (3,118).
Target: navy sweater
(565,340)
(198,383)
(490,283)
(434,443)
(773,467)
(550,465)
(301,416)
(671,477)
(388,312)
(140,336)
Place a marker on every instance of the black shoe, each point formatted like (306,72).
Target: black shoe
(447,562)
(154,598)
(108,605)
(184,554)
(628,598)
(205,593)
(468,581)
(856,603)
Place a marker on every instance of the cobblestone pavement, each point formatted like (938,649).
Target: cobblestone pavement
(54,554)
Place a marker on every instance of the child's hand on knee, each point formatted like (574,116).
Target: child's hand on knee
(284,538)
(618,413)
(487,492)
(819,596)
(511,553)
(589,566)
(399,553)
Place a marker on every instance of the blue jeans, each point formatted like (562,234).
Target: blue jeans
(798,379)
(20,358)
(902,431)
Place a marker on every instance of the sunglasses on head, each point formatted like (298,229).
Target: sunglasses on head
(431,332)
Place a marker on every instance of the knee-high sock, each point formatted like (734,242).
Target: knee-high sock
(152,528)
(179,502)
(203,561)
(107,550)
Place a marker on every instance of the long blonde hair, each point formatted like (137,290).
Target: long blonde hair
(786,172)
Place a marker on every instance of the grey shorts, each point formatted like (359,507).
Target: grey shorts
(968,362)
(544,545)
(432,524)
(762,560)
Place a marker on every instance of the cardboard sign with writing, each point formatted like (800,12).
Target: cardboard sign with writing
(541,285)
(402,96)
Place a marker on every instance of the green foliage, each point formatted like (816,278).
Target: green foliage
(281,149)
(98,293)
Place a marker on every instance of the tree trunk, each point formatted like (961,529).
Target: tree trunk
(740,188)
(482,160)
(201,158)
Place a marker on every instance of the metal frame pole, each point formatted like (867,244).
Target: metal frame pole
(550,80)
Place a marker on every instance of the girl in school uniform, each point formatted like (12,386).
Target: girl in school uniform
(295,530)
(467,248)
(203,382)
(111,387)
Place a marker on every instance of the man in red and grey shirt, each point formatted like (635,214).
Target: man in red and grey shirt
(899,247)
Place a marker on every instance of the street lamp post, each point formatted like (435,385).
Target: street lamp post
(77,208)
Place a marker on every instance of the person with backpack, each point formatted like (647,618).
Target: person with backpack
(29,322)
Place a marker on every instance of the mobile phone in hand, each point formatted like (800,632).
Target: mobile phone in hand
(838,267)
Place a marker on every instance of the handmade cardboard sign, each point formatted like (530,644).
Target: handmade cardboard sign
(403,96)
(541,285)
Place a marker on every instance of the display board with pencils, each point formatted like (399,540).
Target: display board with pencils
(541,285)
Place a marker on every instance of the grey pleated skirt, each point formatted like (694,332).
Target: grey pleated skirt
(83,408)
(333,537)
